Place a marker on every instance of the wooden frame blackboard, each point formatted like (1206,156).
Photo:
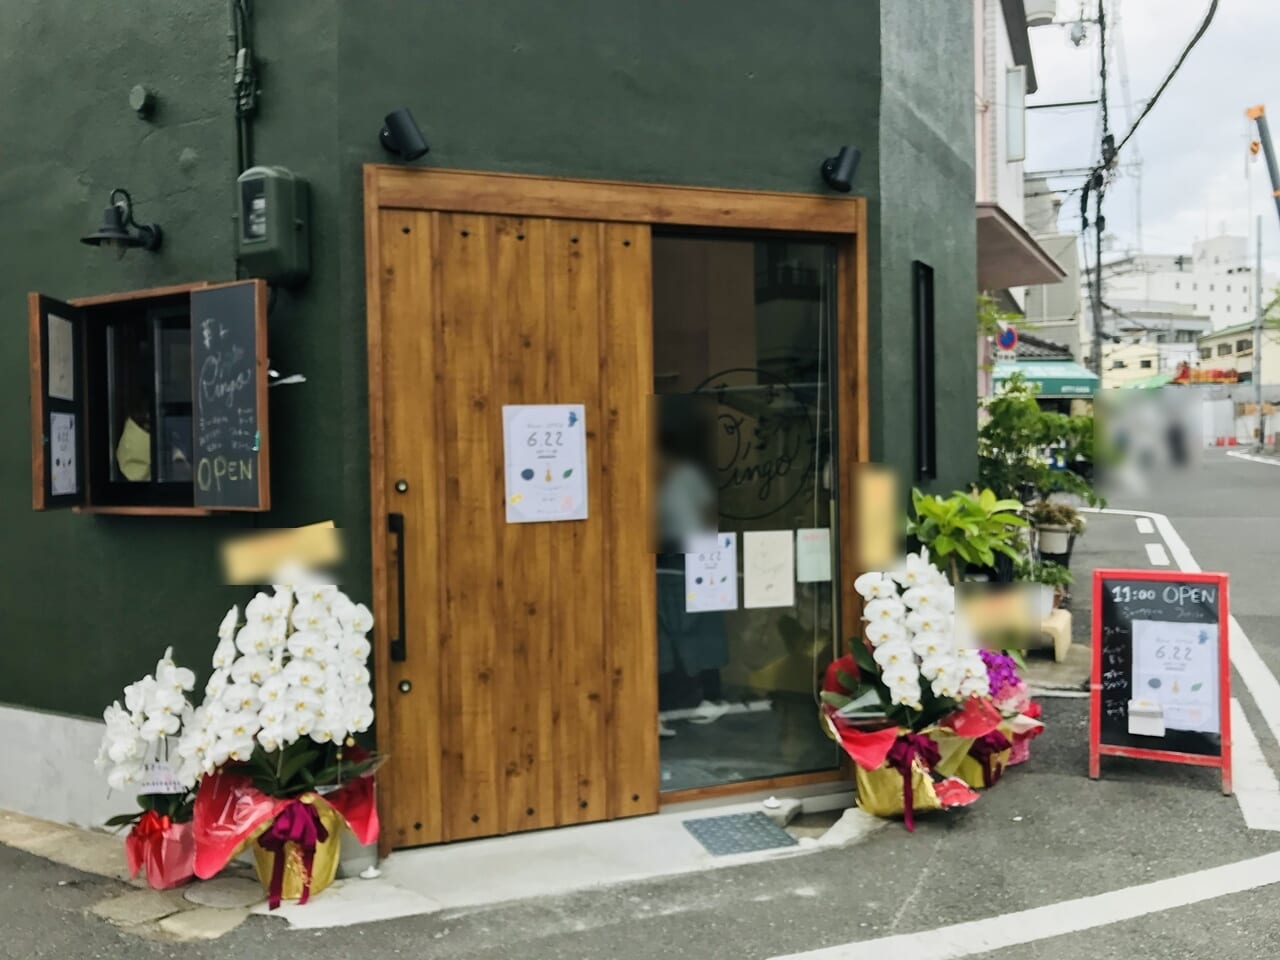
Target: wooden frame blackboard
(1123,598)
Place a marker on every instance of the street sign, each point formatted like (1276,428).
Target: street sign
(1008,338)
(1161,686)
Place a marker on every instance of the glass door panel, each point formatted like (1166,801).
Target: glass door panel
(745,434)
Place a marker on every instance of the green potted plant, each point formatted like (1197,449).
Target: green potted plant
(1056,525)
(966,528)
(1053,578)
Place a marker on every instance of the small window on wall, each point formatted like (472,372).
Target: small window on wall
(1205,353)
(1016,114)
(1145,364)
(926,397)
(151,402)
(1244,346)
(1224,349)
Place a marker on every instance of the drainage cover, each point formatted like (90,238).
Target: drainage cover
(738,833)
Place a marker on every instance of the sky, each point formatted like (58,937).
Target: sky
(1194,179)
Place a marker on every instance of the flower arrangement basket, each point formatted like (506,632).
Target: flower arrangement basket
(165,849)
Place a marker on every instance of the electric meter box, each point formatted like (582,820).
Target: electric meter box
(273,230)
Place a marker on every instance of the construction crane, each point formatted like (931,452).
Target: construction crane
(1258,115)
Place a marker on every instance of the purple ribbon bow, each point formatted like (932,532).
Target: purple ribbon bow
(984,750)
(901,757)
(297,823)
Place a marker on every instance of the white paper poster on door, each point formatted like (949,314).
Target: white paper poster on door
(62,454)
(546,462)
(62,357)
(813,555)
(768,569)
(1176,666)
(711,573)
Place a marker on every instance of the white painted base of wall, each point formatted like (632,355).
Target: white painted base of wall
(48,763)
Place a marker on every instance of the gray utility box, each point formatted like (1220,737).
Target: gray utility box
(273,228)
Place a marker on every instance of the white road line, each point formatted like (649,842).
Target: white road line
(1252,780)
(1253,459)
(1144,525)
(1058,919)
(1156,555)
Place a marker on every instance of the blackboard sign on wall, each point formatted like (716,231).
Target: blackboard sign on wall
(228,350)
(1161,669)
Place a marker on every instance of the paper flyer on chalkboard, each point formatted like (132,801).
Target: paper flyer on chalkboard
(1176,666)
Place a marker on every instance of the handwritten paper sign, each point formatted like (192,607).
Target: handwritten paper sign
(711,573)
(158,777)
(61,358)
(546,462)
(768,569)
(813,555)
(62,454)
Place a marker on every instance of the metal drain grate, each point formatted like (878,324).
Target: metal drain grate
(738,833)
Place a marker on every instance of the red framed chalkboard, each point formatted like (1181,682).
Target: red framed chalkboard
(1161,683)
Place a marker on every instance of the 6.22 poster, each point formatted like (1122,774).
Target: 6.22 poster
(546,462)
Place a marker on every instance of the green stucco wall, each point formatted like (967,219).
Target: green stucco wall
(739,93)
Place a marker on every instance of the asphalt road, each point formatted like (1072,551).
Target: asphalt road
(1046,835)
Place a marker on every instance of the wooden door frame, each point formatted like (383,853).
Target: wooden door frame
(843,219)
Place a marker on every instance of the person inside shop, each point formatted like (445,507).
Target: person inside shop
(692,647)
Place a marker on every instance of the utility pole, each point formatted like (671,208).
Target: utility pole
(1098,224)
(1257,332)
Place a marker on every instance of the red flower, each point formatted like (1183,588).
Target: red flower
(831,681)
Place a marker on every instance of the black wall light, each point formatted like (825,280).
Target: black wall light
(120,230)
(839,171)
(401,135)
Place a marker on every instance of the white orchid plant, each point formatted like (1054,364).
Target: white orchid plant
(139,746)
(289,690)
(910,668)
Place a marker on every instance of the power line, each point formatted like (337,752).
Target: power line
(1204,26)
(1110,150)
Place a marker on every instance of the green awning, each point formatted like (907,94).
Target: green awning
(1149,383)
(1058,379)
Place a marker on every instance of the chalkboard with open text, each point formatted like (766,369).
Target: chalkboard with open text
(1160,687)
(228,352)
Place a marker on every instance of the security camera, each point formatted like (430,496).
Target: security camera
(838,171)
(400,135)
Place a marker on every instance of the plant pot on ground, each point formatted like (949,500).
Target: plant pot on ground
(1053,578)
(1057,524)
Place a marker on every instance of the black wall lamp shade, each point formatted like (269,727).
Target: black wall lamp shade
(838,171)
(402,136)
(119,228)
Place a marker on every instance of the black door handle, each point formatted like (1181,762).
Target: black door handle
(395,524)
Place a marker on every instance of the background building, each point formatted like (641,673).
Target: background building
(1010,258)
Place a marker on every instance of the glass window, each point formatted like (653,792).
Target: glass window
(1145,364)
(1016,107)
(743,367)
(1224,349)
(1244,346)
(1205,353)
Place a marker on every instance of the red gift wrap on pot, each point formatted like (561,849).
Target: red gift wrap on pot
(231,814)
(167,851)
(1026,727)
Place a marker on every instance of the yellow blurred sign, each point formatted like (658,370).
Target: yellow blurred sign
(876,491)
(259,556)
